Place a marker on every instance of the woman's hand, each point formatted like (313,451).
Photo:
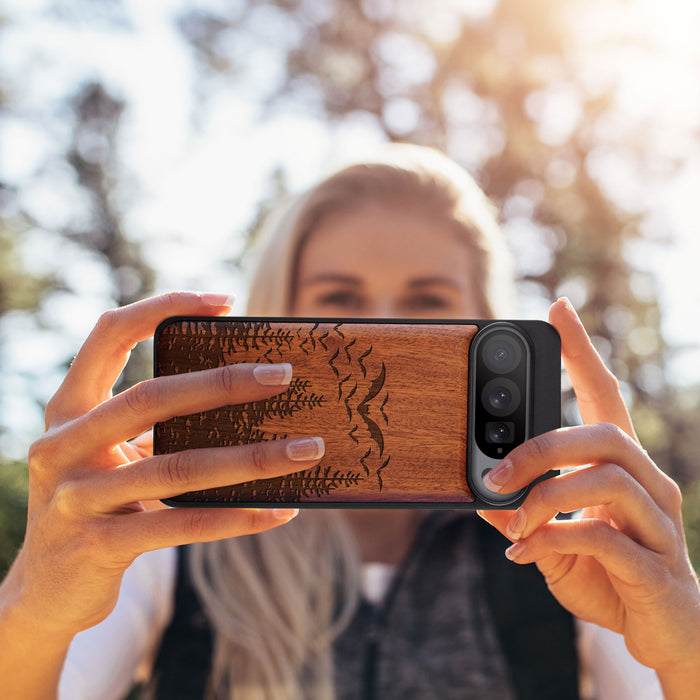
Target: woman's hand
(623,564)
(89,515)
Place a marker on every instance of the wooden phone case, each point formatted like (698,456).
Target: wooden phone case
(389,399)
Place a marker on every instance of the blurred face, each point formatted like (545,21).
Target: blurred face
(388,262)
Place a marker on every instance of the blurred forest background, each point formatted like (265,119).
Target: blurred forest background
(580,119)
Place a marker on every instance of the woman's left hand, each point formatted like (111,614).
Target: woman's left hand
(624,563)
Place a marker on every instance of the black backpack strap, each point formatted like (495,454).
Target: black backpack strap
(536,633)
(183,664)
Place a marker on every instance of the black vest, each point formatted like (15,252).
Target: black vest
(415,645)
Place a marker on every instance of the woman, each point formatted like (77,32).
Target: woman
(412,236)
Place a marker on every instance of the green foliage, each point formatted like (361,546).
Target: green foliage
(691,521)
(18,289)
(14,483)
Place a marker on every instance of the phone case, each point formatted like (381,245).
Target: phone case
(389,398)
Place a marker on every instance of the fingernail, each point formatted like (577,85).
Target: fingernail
(304,449)
(273,375)
(218,300)
(498,477)
(515,550)
(569,306)
(285,514)
(516,525)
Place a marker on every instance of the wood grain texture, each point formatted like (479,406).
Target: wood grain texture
(390,401)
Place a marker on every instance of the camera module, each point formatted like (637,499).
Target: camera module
(500,392)
(514,367)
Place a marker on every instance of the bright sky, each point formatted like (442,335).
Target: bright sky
(194,189)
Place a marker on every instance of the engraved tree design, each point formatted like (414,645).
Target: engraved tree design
(359,379)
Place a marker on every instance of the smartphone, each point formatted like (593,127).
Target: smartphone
(413,413)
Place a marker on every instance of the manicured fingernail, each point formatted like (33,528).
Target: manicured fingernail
(304,449)
(515,550)
(498,477)
(218,300)
(569,306)
(285,514)
(516,525)
(273,375)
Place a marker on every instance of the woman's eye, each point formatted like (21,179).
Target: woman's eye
(341,300)
(427,302)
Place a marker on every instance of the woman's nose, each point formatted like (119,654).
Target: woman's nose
(384,308)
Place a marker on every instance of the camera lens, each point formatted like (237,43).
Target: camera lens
(502,353)
(500,396)
(499,432)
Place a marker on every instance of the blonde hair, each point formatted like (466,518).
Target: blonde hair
(277,600)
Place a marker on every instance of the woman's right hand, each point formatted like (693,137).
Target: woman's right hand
(88,513)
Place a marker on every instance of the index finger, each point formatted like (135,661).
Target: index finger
(137,409)
(103,355)
(603,443)
(596,387)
